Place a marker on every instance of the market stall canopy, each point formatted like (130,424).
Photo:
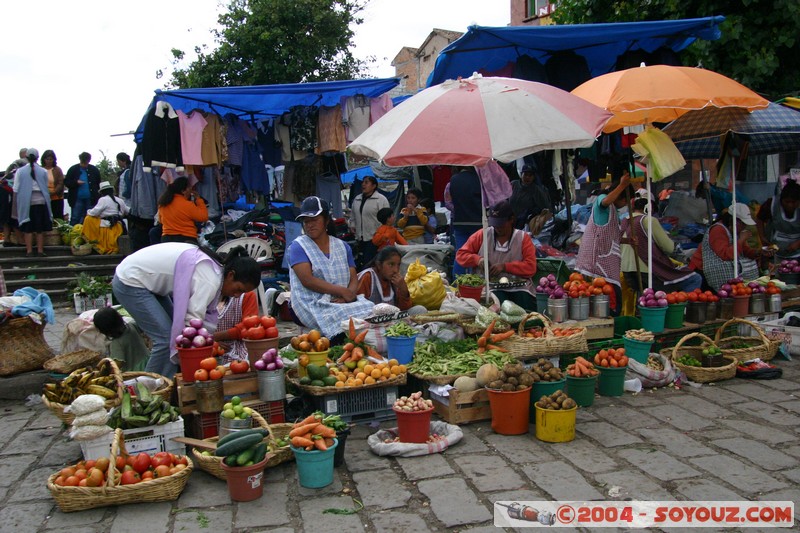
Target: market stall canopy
(772,130)
(263,101)
(490,49)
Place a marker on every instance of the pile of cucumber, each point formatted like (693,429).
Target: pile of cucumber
(243,448)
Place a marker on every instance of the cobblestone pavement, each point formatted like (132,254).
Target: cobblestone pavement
(736,440)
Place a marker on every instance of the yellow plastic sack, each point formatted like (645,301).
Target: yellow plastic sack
(425,288)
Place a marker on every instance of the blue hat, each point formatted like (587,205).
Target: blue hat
(313,206)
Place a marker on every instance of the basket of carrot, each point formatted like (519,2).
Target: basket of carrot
(523,345)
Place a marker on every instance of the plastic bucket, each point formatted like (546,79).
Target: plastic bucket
(190,360)
(543,388)
(414,426)
(271,385)
(314,358)
(232,425)
(696,312)
(758,303)
(653,318)
(557,309)
(611,381)
(600,306)
(209,396)
(255,349)
(315,468)
(470,292)
(726,308)
(674,317)
(741,305)
(555,425)
(637,350)
(541,302)
(245,483)
(401,348)
(581,390)
(338,454)
(510,411)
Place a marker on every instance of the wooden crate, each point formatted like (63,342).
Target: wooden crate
(596,328)
(462,407)
(245,386)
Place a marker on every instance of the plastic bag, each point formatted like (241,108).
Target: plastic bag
(89,432)
(95,418)
(449,435)
(426,288)
(85,404)
(439,331)
(511,312)
(462,306)
(485,317)
(651,377)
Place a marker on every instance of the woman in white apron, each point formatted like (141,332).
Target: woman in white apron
(323,279)
(778,221)
(382,282)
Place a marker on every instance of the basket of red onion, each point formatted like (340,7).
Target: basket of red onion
(194,344)
(789,271)
(653,310)
(271,385)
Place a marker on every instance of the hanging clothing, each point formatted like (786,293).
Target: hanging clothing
(379,106)
(329,188)
(599,253)
(237,134)
(270,148)
(212,142)
(161,139)
(283,137)
(303,127)
(254,173)
(207,188)
(356,113)
(316,310)
(331,136)
(192,127)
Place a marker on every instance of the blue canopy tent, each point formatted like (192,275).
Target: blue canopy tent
(263,101)
(491,49)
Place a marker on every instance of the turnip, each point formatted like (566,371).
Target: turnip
(260,364)
(726,287)
(544,282)
(196,323)
(190,332)
(272,351)
(210,339)
(203,331)
(198,341)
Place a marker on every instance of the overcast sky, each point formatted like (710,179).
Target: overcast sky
(75,73)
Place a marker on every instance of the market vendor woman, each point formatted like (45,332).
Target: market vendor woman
(381,281)
(778,221)
(323,279)
(510,253)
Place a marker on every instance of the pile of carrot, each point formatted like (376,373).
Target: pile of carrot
(311,434)
(582,368)
(488,340)
(357,349)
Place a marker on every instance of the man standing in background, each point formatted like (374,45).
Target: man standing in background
(83,181)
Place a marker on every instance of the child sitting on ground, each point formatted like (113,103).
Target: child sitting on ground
(387,234)
(127,346)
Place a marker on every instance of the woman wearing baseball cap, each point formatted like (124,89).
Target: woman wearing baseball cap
(323,277)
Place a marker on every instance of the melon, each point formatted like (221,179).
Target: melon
(466,384)
(486,374)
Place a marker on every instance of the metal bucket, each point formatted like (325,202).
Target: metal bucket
(758,303)
(726,308)
(697,312)
(775,303)
(210,398)
(600,306)
(712,310)
(557,309)
(232,425)
(271,385)
(579,308)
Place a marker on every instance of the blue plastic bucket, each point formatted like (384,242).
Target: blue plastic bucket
(401,348)
(637,350)
(653,318)
(315,468)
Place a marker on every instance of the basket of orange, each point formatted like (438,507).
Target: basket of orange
(544,340)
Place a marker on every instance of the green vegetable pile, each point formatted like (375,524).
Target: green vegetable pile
(688,360)
(713,350)
(401,329)
(440,358)
(469,280)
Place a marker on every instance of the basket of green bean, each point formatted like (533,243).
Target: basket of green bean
(442,362)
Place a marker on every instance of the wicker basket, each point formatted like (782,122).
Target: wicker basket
(58,408)
(165,392)
(471,328)
(291,377)
(548,344)
(83,249)
(436,316)
(213,464)
(164,489)
(67,362)
(52,238)
(700,374)
(760,347)
(23,346)
(442,380)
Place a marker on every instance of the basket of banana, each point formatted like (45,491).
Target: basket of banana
(104,379)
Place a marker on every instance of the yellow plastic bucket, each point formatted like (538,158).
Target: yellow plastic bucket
(555,425)
(314,358)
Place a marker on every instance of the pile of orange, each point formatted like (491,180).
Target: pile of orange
(578,287)
(367,373)
(697,295)
(772,288)
(740,289)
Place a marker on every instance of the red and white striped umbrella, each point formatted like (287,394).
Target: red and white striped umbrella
(470,121)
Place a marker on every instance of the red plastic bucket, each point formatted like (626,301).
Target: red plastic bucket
(245,483)
(190,360)
(510,411)
(470,292)
(414,426)
(741,306)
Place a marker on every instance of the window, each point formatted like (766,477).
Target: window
(533,7)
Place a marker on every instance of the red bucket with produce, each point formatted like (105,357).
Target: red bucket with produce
(194,344)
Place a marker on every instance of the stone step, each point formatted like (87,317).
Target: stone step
(47,271)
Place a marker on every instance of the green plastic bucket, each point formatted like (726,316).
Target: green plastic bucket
(611,381)
(541,301)
(674,318)
(653,318)
(581,390)
(543,388)
(637,350)
(315,468)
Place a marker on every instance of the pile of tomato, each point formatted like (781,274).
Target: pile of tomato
(210,369)
(578,287)
(131,469)
(697,295)
(258,327)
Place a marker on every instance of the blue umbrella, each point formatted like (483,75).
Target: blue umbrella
(772,130)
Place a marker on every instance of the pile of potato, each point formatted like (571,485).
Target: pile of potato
(512,377)
(543,370)
(556,401)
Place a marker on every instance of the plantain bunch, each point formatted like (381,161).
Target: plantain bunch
(99,380)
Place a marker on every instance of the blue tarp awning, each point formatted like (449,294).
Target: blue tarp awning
(491,49)
(263,101)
